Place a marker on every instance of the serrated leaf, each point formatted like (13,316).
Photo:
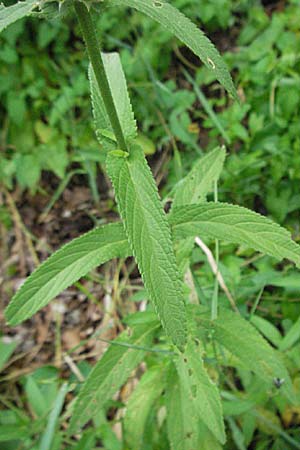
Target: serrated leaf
(243,341)
(234,224)
(185,430)
(10,14)
(194,188)
(199,181)
(182,422)
(110,373)
(140,403)
(117,82)
(187,32)
(150,239)
(202,393)
(66,266)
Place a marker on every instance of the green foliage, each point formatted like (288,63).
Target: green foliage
(187,32)
(149,389)
(45,398)
(241,339)
(182,432)
(111,372)
(235,224)
(11,14)
(66,266)
(6,350)
(118,87)
(200,180)
(198,388)
(150,238)
(178,401)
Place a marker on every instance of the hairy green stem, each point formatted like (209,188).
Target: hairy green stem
(93,49)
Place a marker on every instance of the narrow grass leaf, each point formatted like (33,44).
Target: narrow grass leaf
(49,433)
(110,373)
(207,107)
(201,392)
(149,236)
(187,32)
(234,224)
(66,266)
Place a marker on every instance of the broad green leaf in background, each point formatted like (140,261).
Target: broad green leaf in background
(292,336)
(187,32)
(149,236)
(243,341)
(11,14)
(199,181)
(182,425)
(14,432)
(38,402)
(203,394)
(234,224)
(267,329)
(117,82)
(66,266)
(140,403)
(185,430)
(6,350)
(194,188)
(111,372)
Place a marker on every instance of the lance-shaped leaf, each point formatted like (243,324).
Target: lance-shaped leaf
(10,14)
(199,181)
(182,422)
(149,236)
(185,430)
(202,393)
(187,32)
(117,82)
(234,224)
(244,341)
(149,388)
(111,372)
(66,266)
(194,188)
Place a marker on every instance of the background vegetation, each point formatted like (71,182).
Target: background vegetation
(53,189)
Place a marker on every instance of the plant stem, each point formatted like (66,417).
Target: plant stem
(93,49)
